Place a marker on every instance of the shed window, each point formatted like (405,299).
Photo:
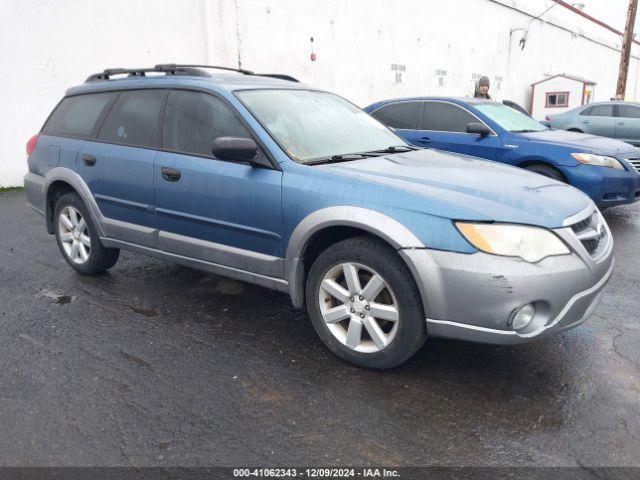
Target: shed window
(557,99)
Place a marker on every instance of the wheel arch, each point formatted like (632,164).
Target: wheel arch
(323,228)
(60,181)
(543,162)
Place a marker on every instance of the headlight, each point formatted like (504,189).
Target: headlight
(529,243)
(597,160)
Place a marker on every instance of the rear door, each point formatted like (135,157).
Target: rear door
(215,210)
(628,123)
(443,125)
(74,121)
(402,117)
(598,120)
(118,164)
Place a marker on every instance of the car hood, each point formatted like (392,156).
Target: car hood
(581,142)
(469,188)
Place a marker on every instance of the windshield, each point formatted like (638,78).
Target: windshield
(510,119)
(313,125)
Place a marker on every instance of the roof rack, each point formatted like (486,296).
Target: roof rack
(177,69)
(173,66)
(141,72)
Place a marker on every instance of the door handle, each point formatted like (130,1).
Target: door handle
(424,140)
(586,121)
(620,123)
(89,160)
(170,174)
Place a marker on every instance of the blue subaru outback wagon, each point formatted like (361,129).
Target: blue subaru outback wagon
(607,170)
(270,181)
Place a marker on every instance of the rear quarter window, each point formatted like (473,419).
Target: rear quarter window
(77,116)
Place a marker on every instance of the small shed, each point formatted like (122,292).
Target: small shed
(559,93)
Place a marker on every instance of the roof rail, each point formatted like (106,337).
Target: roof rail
(141,72)
(173,66)
(177,69)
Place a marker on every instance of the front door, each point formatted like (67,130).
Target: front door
(598,120)
(443,126)
(214,210)
(628,123)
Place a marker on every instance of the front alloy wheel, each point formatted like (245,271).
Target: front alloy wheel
(359,307)
(364,303)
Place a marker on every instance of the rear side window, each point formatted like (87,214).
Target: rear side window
(135,119)
(77,116)
(403,115)
(628,111)
(445,117)
(599,111)
(194,120)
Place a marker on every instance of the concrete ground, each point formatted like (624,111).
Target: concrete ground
(157,364)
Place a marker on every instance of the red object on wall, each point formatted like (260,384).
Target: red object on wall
(313,57)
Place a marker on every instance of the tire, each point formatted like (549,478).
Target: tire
(367,258)
(547,171)
(78,239)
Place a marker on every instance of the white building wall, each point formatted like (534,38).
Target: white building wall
(558,84)
(47,46)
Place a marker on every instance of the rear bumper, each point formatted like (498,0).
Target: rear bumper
(475,296)
(34,189)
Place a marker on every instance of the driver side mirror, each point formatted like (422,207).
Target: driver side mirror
(478,128)
(236,149)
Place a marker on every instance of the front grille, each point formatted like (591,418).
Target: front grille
(592,233)
(635,163)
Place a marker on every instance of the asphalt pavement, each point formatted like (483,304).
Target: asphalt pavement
(155,364)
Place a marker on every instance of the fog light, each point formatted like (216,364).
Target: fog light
(523,316)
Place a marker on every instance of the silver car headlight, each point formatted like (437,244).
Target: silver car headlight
(529,243)
(597,160)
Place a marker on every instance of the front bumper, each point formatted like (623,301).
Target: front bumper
(607,187)
(474,296)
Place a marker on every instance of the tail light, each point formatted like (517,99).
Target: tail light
(547,118)
(31,145)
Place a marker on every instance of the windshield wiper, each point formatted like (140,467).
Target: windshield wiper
(338,158)
(395,149)
(525,130)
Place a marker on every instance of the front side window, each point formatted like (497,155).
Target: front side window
(599,111)
(509,119)
(134,119)
(557,99)
(445,117)
(402,115)
(194,120)
(311,125)
(77,116)
(628,111)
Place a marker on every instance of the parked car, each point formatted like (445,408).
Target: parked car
(273,182)
(619,120)
(605,169)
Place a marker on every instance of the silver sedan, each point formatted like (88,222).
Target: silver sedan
(619,120)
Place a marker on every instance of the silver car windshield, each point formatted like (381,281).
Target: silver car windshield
(509,119)
(311,125)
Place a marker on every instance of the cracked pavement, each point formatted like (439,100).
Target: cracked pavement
(155,364)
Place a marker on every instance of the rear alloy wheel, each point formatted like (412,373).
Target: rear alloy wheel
(364,303)
(78,239)
(74,235)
